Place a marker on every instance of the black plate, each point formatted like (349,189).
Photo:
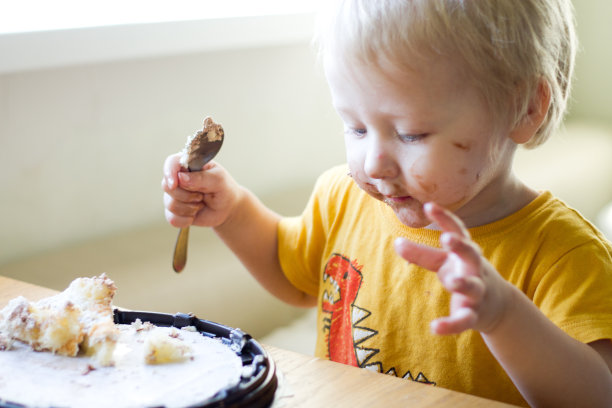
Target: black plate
(258,382)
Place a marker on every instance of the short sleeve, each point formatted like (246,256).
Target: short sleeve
(576,292)
(302,240)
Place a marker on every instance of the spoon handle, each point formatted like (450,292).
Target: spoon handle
(180,250)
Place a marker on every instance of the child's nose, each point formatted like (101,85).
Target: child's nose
(380,160)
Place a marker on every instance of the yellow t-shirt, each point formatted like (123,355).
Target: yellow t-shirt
(374,309)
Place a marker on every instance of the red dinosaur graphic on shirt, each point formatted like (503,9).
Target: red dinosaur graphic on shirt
(343,279)
(343,319)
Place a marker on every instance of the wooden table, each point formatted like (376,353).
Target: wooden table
(312,382)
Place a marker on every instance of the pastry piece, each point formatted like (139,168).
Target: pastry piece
(81,317)
(197,150)
(54,327)
(93,296)
(163,348)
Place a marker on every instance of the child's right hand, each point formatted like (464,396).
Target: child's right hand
(204,198)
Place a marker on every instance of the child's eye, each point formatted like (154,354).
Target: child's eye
(409,138)
(356,131)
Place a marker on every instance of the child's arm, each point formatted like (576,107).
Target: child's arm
(549,367)
(212,198)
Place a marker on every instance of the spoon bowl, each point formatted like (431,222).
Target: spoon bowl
(200,148)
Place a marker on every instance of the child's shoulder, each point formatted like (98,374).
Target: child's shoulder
(558,219)
(547,225)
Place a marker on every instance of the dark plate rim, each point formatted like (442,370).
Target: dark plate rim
(258,382)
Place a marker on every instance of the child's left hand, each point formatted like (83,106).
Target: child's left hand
(480,296)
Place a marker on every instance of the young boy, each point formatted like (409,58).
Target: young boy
(435,96)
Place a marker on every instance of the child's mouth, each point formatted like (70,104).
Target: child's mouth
(397,199)
(387,198)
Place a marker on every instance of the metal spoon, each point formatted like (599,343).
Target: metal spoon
(199,150)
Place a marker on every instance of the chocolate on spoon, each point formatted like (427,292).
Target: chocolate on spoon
(202,146)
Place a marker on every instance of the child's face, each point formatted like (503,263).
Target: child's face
(419,136)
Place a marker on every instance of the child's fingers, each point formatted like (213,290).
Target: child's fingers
(461,320)
(182,209)
(171,168)
(185,196)
(209,180)
(471,287)
(181,194)
(446,220)
(464,276)
(422,255)
(176,220)
(463,248)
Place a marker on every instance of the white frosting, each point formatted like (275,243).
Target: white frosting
(41,379)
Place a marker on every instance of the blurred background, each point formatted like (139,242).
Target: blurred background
(89,113)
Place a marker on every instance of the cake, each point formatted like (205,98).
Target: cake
(78,319)
(66,350)
(153,366)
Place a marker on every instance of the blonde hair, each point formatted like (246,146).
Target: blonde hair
(507,48)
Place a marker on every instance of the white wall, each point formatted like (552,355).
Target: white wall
(592,97)
(83,147)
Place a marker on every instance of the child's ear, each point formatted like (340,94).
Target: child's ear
(536,113)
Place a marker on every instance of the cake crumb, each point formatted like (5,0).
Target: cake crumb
(139,326)
(88,369)
(162,348)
